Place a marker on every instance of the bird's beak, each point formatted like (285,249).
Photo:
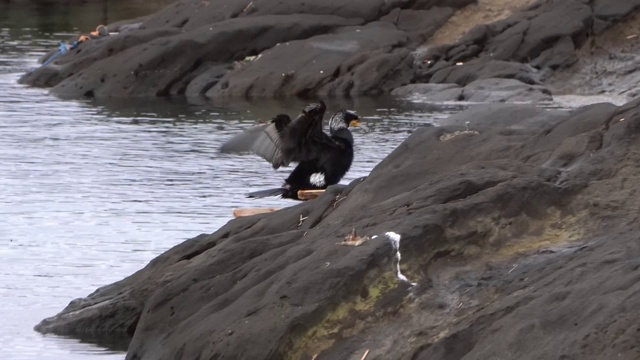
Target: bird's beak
(354,123)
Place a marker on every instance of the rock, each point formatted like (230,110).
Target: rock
(419,24)
(429,92)
(614,9)
(519,232)
(560,19)
(525,46)
(188,47)
(562,54)
(466,73)
(484,90)
(160,66)
(197,48)
(504,90)
(355,60)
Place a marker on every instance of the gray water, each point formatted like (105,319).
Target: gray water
(92,191)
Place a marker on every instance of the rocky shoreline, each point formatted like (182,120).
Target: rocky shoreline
(521,236)
(257,49)
(519,231)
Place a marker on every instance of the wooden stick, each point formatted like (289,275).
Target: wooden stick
(365,355)
(309,194)
(252,211)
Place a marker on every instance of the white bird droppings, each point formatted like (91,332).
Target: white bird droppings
(394,238)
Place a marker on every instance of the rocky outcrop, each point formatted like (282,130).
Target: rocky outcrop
(528,46)
(230,48)
(222,49)
(519,230)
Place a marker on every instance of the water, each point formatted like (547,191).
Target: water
(92,191)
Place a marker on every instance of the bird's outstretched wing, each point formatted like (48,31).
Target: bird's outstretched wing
(300,138)
(283,141)
(263,140)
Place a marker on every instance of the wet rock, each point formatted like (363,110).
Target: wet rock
(522,221)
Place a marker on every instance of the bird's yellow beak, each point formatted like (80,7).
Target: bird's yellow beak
(354,123)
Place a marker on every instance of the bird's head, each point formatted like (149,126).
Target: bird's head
(344,119)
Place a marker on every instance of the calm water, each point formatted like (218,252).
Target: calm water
(90,192)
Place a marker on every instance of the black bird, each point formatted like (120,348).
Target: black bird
(323,159)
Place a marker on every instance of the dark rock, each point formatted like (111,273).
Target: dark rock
(92,54)
(562,54)
(201,82)
(484,90)
(202,41)
(158,67)
(355,60)
(614,9)
(561,19)
(545,35)
(523,221)
(429,92)
(504,90)
(198,47)
(419,24)
(463,74)
(506,44)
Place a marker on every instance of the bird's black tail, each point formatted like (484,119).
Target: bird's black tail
(266,193)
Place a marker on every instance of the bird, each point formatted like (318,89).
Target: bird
(323,159)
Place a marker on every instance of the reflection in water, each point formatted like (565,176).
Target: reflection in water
(82,16)
(92,191)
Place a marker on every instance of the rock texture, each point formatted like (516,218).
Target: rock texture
(528,46)
(230,48)
(520,234)
(483,90)
(222,49)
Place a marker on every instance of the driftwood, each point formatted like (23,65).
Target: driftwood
(302,195)
(252,211)
(309,194)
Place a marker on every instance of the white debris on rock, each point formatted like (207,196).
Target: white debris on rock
(394,239)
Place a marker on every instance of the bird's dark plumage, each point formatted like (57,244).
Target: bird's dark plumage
(323,159)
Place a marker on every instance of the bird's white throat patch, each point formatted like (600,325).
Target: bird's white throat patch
(317,179)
